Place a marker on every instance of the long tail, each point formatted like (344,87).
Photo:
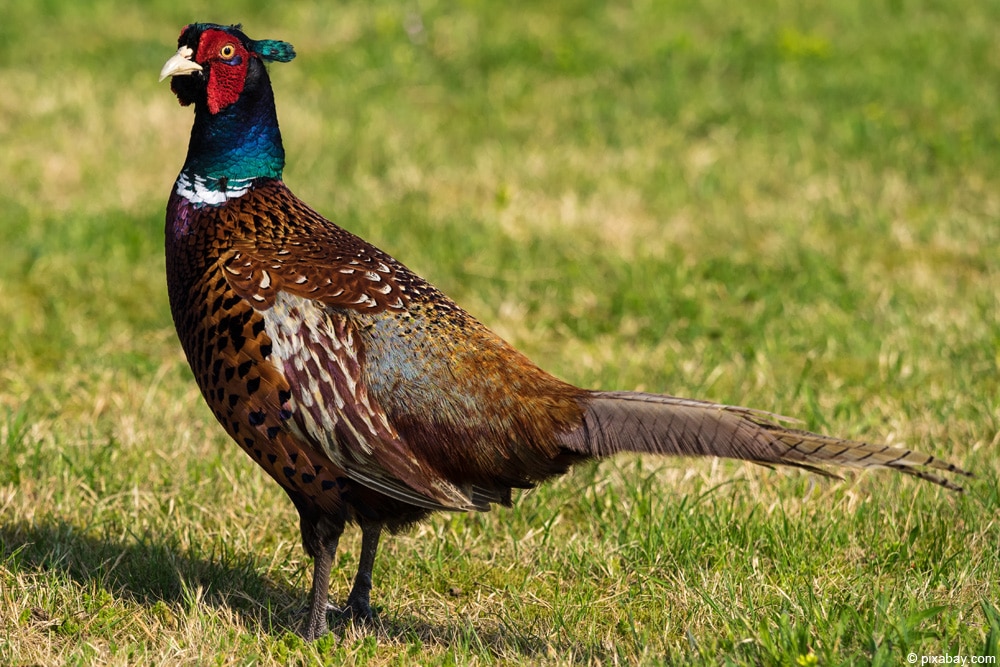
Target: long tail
(634,422)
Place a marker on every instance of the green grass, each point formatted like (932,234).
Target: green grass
(794,206)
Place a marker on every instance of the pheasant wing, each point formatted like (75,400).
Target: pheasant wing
(308,279)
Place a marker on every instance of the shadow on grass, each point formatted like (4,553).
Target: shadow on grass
(496,643)
(491,642)
(149,572)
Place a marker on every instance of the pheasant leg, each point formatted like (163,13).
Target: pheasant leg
(359,601)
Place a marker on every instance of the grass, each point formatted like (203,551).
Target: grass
(787,205)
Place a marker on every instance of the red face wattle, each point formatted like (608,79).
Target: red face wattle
(226,60)
(217,65)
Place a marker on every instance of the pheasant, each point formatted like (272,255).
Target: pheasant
(364,392)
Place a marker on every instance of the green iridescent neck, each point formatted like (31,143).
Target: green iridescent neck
(231,148)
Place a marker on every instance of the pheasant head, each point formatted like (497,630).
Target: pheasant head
(235,138)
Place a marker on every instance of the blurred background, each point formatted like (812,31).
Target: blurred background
(789,205)
(661,174)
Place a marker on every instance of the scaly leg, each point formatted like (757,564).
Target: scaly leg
(359,601)
(320,538)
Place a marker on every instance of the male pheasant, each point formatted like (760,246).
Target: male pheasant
(366,393)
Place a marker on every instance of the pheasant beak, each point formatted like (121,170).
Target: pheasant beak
(180,64)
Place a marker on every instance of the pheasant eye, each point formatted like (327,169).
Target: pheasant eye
(227,51)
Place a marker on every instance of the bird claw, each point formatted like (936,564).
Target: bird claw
(315,628)
(355,609)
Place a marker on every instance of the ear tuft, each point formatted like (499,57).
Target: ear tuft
(273,50)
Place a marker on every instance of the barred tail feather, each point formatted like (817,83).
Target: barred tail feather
(616,422)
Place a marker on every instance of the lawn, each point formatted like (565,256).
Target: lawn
(788,205)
